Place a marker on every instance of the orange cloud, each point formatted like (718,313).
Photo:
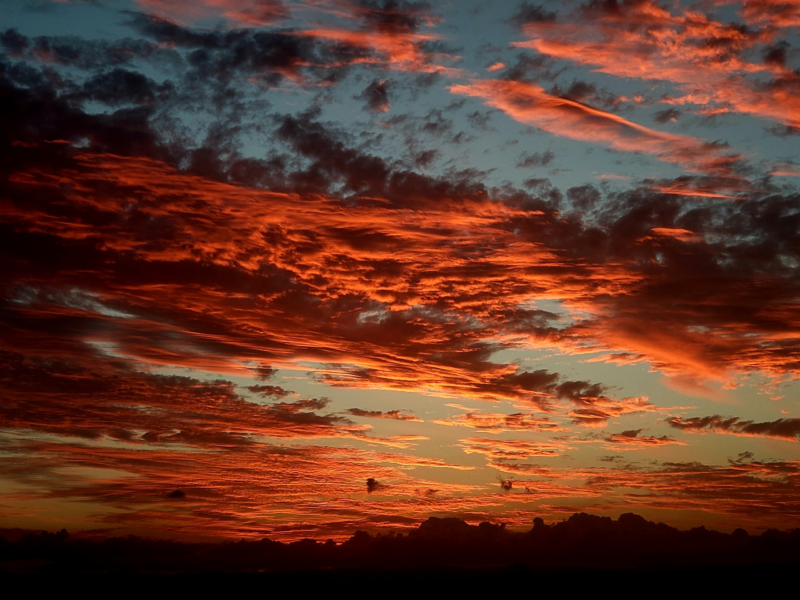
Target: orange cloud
(504,450)
(683,235)
(645,41)
(778,13)
(400,51)
(528,103)
(499,422)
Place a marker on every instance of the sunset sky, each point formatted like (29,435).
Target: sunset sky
(505,259)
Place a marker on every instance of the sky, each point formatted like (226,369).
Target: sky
(297,268)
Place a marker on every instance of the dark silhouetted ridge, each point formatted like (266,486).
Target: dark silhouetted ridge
(581,542)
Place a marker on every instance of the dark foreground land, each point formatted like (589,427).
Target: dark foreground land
(551,583)
(581,552)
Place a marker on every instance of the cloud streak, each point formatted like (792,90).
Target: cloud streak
(785,429)
(531,104)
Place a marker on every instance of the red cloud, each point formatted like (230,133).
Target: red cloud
(239,12)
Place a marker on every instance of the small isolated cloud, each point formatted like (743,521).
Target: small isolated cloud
(630,439)
(376,95)
(667,115)
(537,159)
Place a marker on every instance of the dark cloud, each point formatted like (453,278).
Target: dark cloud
(393,16)
(377,414)
(632,439)
(578,91)
(589,94)
(98,399)
(274,391)
(529,68)
(436,124)
(667,115)
(537,159)
(120,86)
(14,43)
(304,405)
(264,372)
(776,54)
(376,95)
(531,13)
(743,457)
(479,120)
(332,159)
(580,392)
(269,56)
(86,55)
(424,159)
(37,114)
(583,197)
(788,429)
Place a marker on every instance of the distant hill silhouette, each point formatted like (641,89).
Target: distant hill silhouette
(581,542)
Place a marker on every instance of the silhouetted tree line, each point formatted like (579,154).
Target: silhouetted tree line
(582,541)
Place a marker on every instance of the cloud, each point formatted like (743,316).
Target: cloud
(377,414)
(91,399)
(675,45)
(390,36)
(630,439)
(531,104)
(500,423)
(537,159)
(264,56)
(500,451)
(269,390)
(237,12)
(466,290)
(667,115)
(419,287)
(786,429)
(778,13)
(376,95)
(531,13)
